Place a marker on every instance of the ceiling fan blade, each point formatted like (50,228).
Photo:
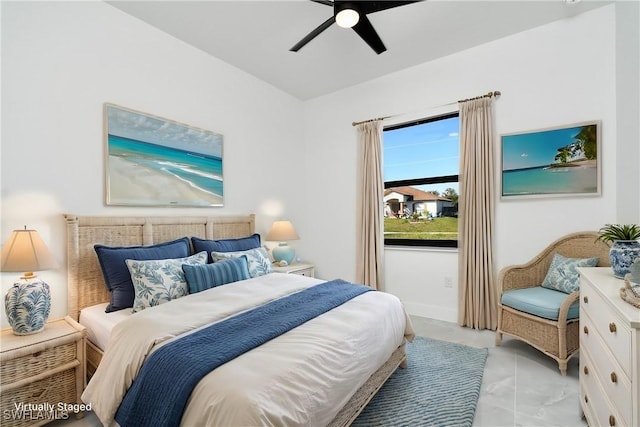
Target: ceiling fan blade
(313,34)
(369,34)
(325,2)
(377,6)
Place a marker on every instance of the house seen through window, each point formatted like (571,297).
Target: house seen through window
(421,164)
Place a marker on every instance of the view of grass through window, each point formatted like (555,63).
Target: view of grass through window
(421,162)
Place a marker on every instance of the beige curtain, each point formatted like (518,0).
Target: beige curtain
(477,302)
(370,241)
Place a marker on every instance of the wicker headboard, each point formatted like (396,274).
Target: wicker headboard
(85,284)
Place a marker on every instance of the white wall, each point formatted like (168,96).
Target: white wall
(557,74)
(61,61)
(628,110)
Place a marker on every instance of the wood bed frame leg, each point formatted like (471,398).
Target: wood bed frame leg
(403,364)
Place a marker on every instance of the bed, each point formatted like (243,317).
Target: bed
(322,372)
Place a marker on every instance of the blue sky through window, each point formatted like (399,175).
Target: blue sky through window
(426,150)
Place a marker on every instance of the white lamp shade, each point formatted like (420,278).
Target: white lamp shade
(25,251)
(282,231)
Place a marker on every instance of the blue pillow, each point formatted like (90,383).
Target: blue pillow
(203,277)
(157,281)
(563,276)
(225,245)
(115,271)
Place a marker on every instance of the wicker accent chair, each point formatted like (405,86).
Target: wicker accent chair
(559,338)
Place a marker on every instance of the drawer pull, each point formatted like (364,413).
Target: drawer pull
(37,354)
(612,327)
(585,299)
(585,370)
(614,377)
(586,330)
(612,420)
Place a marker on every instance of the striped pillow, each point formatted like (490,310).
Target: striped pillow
(202,277)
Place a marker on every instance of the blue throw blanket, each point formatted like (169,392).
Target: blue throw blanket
(159,394)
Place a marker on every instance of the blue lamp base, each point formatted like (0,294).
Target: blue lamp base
(283,252)
(27,304)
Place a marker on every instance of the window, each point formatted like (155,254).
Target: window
(421,164)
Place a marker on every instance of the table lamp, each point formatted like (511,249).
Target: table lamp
(282,231)
(28,301)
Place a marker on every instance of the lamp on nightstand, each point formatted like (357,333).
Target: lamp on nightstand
(28,301)
(282,231)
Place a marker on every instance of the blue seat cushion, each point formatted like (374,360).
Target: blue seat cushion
(539,301)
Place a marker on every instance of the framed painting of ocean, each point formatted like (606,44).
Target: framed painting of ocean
(152,161)
(559,161)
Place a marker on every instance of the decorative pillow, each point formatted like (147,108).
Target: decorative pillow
(159,281)
(257,259)
(226,245)
(115,271)
(563,276)
(203,277)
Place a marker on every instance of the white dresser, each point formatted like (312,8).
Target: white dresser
(609,351)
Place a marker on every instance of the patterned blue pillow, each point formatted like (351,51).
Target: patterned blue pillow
(257,259)
(563,276)
(158,281)
(203,277)
(117,276)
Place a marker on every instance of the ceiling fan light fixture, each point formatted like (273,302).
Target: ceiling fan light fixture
(347,18)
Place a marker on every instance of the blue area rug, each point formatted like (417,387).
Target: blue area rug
(440,387)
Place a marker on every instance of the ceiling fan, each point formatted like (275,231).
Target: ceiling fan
(353,14)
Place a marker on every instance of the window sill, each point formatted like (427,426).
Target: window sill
(419,249)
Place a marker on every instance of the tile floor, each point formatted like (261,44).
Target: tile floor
(520,386)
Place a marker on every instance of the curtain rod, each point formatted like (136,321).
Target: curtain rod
(495,93)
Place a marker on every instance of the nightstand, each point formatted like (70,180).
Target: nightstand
(301,268)
(42,375)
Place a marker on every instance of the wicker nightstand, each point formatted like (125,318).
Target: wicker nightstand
(300,268)
(42,375)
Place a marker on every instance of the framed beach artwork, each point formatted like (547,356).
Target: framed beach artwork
(152,161)
(557,161)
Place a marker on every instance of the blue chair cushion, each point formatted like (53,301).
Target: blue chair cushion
(539,301)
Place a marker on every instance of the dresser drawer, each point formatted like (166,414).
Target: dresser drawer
(613,330)
(602,364)
(308,272)
(36,363)
(595,402)
(58,388)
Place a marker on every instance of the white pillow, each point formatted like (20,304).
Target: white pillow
(158,281)
(257,259)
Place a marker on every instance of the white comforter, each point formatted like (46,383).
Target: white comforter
(303,377)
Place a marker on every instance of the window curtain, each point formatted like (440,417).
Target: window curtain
(477,302)
(370,241)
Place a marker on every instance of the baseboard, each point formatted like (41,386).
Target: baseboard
(431,311)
